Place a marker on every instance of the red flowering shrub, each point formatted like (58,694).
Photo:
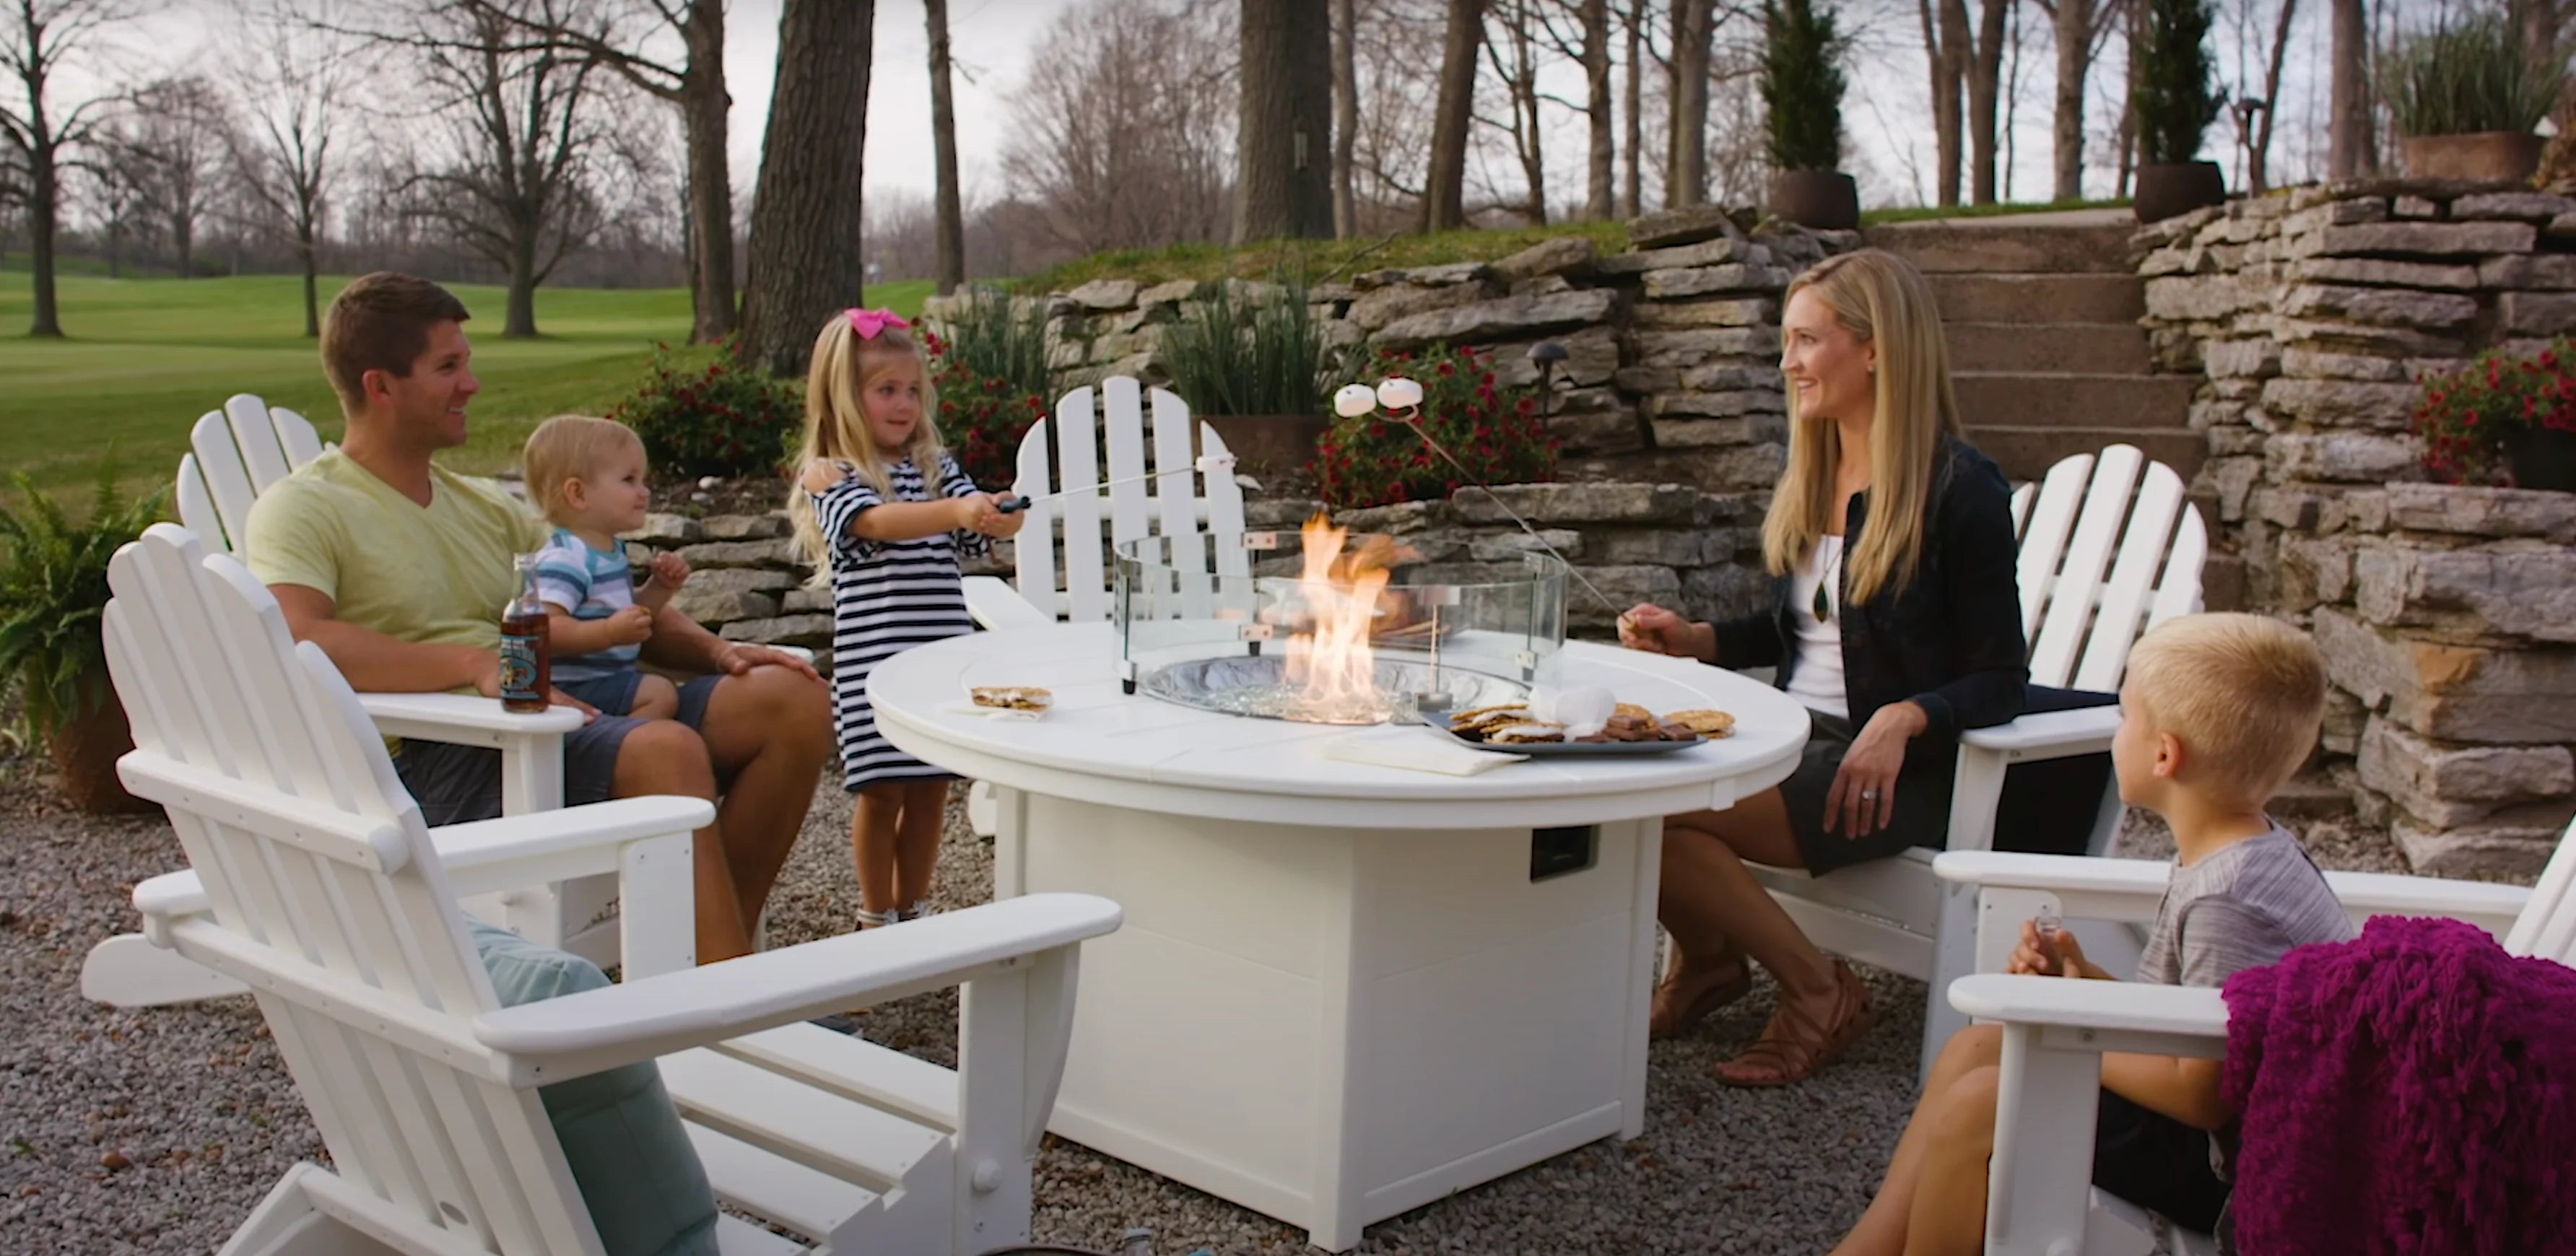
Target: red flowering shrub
(2471,418)
(1496,433)
(981,417)
(724,418)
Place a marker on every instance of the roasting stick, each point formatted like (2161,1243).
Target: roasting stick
(1403,399)
(1204,464)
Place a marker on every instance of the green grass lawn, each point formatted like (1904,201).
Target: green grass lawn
(145,357)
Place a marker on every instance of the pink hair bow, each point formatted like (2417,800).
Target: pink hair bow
(870,322)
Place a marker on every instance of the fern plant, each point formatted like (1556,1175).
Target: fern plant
(2174,99)
(53,597)
(1802,85)
(2468,78)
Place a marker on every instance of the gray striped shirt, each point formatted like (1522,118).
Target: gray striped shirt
(2242,906)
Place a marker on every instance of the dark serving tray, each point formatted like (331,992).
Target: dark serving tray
(1548,749)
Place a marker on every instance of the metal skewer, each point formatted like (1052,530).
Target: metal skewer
(1204,464)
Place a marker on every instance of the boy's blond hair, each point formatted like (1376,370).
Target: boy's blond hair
(569,447)
(2244,693)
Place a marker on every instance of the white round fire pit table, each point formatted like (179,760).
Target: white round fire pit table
(1343,990)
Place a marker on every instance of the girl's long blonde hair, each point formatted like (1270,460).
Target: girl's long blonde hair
(1883,300)
(836,428)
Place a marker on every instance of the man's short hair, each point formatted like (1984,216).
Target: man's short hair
(2245,694)
(381,322)
(569,447)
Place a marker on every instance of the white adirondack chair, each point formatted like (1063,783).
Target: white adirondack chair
(2108,548)
(2040,1201)
(1064,557)
(316,884)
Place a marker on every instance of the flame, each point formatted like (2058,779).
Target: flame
(1332,662)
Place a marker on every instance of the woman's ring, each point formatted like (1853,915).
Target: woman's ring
(1869,795)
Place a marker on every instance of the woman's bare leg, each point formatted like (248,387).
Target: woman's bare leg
(916,840)
(1881,1231)
(1948,1216)
(1710,901)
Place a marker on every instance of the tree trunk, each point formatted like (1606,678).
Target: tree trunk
(1444,197)
(1346,116)
(43,210)
(1985,78)
(806,257)
(1686,148)
(2350,151)
(1284,120)
(183,241)
(2258,149)
(2074,62)
(1634,197)
(520,323)
(705,105)
(1598,204)
(305,253)
(1944,39)
(943,144)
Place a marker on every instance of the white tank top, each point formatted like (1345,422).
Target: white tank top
(1817,681)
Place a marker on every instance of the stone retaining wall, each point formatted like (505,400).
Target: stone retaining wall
(2447,614)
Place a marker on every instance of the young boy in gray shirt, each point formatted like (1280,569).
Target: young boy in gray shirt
(2217,712)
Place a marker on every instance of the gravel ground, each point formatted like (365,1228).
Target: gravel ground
(158,1131)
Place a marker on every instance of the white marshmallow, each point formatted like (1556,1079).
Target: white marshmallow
(1582,709)
(1354,400)
(1399,393)
(1214,464)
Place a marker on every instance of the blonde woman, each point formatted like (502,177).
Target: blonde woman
(1897,623)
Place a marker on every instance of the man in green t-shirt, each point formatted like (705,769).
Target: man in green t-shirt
(398,568)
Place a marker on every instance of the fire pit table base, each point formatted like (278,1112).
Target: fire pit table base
(1333,1025)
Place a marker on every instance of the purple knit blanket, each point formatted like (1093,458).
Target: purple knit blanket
(2412,1092)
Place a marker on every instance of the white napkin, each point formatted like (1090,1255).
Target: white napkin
(1420,750)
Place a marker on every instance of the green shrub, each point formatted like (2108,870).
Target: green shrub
(1497,433)
(996,337)
(53,596)
(2174,99)
(1277,365)
(2470,419)
(1802,85)
(2468,78)
(983,418)
(723,418)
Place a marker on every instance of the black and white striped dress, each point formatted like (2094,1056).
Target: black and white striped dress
(887,597)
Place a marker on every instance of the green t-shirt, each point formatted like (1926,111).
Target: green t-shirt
(438,574)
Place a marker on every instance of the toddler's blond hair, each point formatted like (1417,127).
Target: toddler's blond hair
(2245,694)
(569,447)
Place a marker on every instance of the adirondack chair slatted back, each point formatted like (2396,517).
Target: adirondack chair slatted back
(2110,547)
(1202,515)
(2547,926)
(236,453)
(321,877)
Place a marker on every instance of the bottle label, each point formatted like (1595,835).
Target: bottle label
(519,669)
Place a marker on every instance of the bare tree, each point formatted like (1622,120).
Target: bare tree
(526,131)
(943,148)
(1588,46)
(1945,51)
(117,176)
(183,140)
(1282,185)
(295,83)
(1444,195)
(1518,77)
(2258,140)
(1686,144)
(2081,28)
(623,36)
(1153,110)
(1399,91)
(1634,197)
(36,39)
(2352,152)
(807,258)
(1346,111)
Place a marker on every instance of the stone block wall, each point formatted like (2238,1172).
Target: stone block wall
(2447,614)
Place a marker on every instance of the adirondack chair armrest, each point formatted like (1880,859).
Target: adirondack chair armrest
(2129,889)
(490,855)
(429,715)
(2048,734)
(993,603)
(600,1029)
(2101,1015)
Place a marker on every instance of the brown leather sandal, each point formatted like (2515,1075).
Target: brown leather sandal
(1666,1021)
(1793,1047)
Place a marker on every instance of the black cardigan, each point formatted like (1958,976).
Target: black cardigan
(1950,640)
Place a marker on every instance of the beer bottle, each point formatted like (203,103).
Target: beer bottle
(527,673)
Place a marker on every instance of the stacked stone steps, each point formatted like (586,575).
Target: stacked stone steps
(2042,312)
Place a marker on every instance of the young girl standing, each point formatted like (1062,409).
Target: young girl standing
(886,511)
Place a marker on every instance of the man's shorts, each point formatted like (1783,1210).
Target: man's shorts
(455,784)
(2157,1163)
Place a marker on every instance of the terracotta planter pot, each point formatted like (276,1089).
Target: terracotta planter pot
(2542,458)
(1824,200)
(2485,157)
(1269,441)
(85,752)
(2166,190)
